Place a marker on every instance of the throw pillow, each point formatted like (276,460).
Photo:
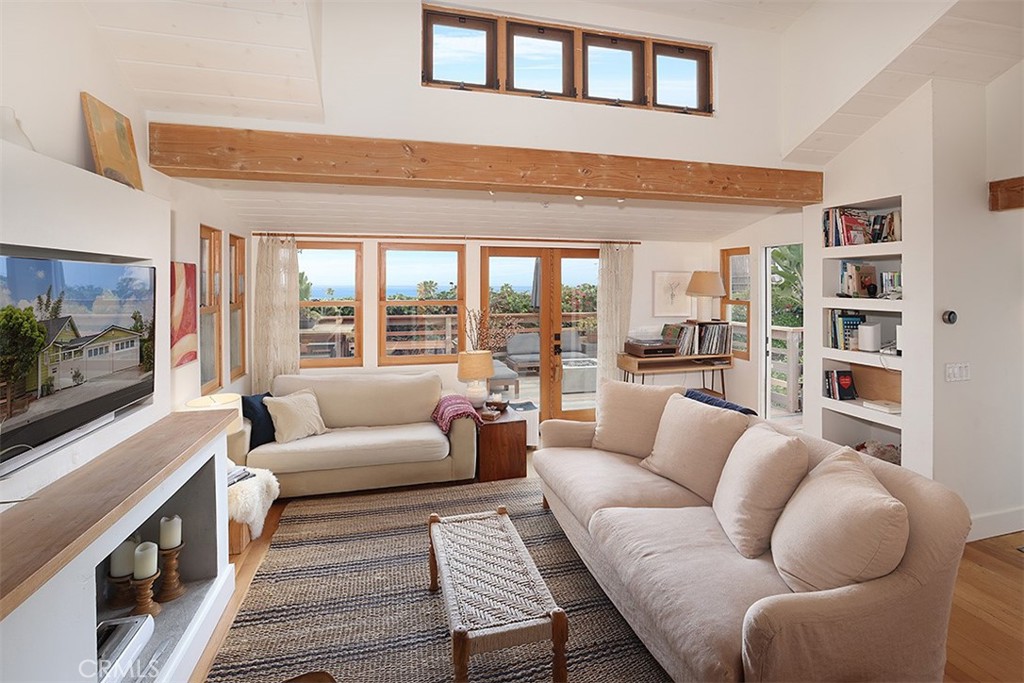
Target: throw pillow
(295,416)
(628,415)
(698,395)
(692,444)
(840,527)
(763,470)
(260,423)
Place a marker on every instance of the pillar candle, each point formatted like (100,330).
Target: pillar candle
(145,560)
(170,532)
(122,562)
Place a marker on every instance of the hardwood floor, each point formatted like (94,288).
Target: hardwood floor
(986,628)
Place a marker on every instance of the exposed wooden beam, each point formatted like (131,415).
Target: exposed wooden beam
(1006,194)
(236,154)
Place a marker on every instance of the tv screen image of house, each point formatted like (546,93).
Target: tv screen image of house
(77,344)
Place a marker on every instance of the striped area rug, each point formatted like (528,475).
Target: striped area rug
(344,589)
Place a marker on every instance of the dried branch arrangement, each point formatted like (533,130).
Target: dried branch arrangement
(489,332)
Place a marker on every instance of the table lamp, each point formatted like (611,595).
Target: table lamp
(220,402)
(704,286)
(475,367)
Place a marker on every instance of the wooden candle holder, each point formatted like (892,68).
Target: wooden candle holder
(144,596)
(171,588)
(121,593)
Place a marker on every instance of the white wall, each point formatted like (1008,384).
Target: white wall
(832,50)
(1004,114)
(742,381)
(50,53)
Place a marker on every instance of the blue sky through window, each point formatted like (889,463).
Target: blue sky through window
(609,73)
(677,81)
(460,54)
(537,63)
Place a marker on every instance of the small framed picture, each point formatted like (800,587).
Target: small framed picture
(670,299)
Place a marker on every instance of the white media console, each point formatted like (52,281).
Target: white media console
(54,551)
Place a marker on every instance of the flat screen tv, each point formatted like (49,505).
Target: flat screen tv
(76,345)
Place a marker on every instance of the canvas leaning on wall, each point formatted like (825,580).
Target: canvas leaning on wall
(670,299)
(184,325)
(113,145)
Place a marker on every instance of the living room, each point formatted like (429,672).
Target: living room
(352,150)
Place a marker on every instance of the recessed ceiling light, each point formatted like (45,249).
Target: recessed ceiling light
(490,192)
(578,198)
(621,200)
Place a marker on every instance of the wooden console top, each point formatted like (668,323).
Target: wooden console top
(39,536)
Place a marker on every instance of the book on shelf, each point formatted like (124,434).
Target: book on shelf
(842,329)
(882,405)
(842,226)
(839,385)
(714,339)
(855,276)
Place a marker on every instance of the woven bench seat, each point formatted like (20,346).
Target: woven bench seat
(493,594)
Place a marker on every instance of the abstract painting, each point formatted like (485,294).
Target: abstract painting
(113,146)
(184,337)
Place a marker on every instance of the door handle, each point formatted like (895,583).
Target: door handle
(557,350)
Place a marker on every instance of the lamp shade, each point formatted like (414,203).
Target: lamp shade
(223,401)
(475,365)
(705,283)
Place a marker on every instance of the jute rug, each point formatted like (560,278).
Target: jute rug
(344,589)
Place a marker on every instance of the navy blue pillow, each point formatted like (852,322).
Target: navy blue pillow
(698,395)
(257,413)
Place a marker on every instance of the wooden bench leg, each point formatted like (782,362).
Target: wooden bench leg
(460,654)
(544,503)
(559,636)
(434,519)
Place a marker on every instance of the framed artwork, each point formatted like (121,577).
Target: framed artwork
(113,146)
(670,299)
(184,331)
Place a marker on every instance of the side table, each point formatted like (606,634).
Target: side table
(501,448)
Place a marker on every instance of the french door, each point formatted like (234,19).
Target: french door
(545,300)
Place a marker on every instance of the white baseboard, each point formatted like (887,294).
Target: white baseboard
(996,523)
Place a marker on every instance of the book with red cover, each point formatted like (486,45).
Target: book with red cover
(844,385)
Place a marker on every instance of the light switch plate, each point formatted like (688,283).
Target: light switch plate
(958,372)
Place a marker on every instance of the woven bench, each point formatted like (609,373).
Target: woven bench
(493,593)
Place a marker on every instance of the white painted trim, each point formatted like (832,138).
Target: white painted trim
(998,523)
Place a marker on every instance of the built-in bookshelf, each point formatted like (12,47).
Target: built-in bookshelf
(861,284)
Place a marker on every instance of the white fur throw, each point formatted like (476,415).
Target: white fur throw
(249,501)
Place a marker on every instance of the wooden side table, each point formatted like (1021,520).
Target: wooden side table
(501,448)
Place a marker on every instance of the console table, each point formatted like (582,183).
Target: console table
(55,545)
(633,366)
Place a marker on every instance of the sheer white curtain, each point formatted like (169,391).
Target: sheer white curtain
(276,318)
(614,297)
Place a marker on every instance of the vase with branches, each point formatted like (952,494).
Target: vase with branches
(489,332)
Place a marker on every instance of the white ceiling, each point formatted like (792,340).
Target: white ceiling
(762,15)
(293,207)
(976,41)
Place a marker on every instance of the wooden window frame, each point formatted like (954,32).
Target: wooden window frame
(211,304)
(356,304)
(437,17)
(614,42)
(382,303)
(727,300)
(564,36)
(238,284)
(700,55)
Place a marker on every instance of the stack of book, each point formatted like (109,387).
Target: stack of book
(842,329)
(844,226)
(237,473)
(839,385)
(714,339)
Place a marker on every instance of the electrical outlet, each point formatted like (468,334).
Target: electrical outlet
(958,372)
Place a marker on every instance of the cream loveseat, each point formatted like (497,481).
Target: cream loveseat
(379,434)
(706,611)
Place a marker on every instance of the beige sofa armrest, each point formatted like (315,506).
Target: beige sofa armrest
(891,628)
(238,443)
(462,438)
(567,434)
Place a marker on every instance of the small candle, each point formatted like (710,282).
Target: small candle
(122,562)
(170,532)
(145,560)
(495,397)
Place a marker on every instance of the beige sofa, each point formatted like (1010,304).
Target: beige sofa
(707,613)
(380,434)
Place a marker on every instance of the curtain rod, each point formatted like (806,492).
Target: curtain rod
(479,238)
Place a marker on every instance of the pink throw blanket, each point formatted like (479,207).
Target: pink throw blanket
(451,408)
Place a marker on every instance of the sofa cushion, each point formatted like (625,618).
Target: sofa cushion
(763,470)
(693,442)
(687,581)
(628,416)
(708,399)
(261,425)
(840,527)
(295,416)
(357,400)
(354,447)
(587,480)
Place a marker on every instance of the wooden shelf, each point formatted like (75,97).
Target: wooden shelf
(855,408)
(864,251)
(863,304)
(877,360)
(43,534)
(667,365)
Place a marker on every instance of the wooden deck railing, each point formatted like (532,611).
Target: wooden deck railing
(786,368)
